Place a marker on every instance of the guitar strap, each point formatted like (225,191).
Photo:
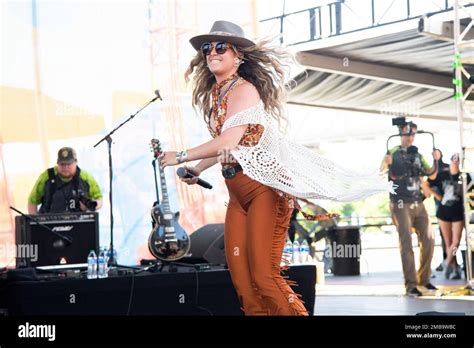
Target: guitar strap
(52,188)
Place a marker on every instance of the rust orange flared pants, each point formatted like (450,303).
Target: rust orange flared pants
(256,226)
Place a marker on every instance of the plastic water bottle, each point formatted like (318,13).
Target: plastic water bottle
(92,265)
(102,264)
(296,252)
(109,254)
(288,253)
(304,251)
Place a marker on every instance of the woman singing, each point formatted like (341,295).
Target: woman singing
(240,87)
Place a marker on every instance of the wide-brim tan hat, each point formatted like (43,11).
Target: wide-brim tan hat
(223,31)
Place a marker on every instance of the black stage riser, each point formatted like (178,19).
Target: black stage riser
(161,293)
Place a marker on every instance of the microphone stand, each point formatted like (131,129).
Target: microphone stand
(29,217)
(112,259)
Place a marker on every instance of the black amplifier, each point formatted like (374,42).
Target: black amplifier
(76,235)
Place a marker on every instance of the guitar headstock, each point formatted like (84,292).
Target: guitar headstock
(155,147)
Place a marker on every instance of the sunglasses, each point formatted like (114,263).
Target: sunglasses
(221,48)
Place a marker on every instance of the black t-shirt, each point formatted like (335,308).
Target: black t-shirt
(450,187)
(435,183)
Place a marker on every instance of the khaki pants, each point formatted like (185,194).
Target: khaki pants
(256,226)
(407,216)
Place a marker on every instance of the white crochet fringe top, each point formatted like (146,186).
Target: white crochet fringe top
(294,169)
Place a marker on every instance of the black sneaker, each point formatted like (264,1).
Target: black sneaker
(430,286)
(413,292)
(440,267)
(447,271)
(455,274)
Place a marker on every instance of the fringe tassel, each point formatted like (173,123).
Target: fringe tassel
(293,203)
(283,282)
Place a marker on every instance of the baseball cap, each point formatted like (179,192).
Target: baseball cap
(66,155)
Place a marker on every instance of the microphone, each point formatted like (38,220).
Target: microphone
(157,93)
(184,173)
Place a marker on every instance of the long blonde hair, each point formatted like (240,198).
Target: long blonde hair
(263,65)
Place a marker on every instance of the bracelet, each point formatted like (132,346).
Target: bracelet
(178,156)
(182,156)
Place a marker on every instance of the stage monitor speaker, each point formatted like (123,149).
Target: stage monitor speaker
(207,245)
(345,238)
(37,246)
(434,313)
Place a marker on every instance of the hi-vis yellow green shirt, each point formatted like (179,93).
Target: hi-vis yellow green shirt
(37,193)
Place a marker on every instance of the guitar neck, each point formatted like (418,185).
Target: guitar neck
(164,191)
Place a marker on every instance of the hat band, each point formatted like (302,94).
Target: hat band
(223,33)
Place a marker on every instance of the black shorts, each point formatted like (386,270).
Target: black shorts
(450,214)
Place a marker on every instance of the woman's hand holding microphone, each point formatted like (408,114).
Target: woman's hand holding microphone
(194,171)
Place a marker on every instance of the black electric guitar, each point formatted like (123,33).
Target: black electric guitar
(168,241)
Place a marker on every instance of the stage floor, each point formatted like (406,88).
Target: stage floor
(382,293)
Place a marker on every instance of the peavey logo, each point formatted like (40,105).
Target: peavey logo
(37,331)
(63,228)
